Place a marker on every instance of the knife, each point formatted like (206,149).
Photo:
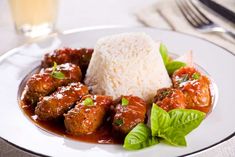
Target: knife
(219,9)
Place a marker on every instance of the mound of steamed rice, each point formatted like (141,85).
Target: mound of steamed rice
(127,64)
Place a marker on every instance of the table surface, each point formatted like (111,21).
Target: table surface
(76,14)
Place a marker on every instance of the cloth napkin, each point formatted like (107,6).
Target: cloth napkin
(166,14)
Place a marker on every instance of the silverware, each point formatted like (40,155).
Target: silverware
(198,20)
(220,10)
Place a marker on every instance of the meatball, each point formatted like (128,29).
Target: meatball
(129,111)
(195,86)
(44,83)
(59,102)
(170,98)
(80,57)
(87,115)
(70,71)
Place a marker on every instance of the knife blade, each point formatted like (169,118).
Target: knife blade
(219,9)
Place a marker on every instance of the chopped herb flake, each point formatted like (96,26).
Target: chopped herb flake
(56,74)
(118,122)
(196,76)
(165,93)
(184,78)
(125,102)
(54,67)
(88,102)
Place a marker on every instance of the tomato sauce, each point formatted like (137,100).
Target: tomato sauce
(103,135)
(196,88)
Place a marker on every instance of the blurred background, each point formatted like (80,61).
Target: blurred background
(74,14)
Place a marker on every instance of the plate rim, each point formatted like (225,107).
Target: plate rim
(84,29)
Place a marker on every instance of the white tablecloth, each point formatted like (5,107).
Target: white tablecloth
(86,13)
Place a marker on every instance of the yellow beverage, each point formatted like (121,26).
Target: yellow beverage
(34,17)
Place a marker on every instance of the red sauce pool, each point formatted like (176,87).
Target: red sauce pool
(103,135)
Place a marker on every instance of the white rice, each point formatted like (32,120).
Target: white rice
(127,64)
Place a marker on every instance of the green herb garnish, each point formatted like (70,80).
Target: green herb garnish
(125,102)
(185,120)
(164,53)
(184,78)
(196,76)
(165,93)
(171,126)
(88,102)
(171,66)
(159,119)
(139,137)
(55,73)
(118,122)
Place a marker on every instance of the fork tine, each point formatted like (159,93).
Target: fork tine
(199,12)
(186,14)
(193,13)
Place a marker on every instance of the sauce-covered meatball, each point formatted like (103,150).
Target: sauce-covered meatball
(195,86)
(170,98)
(59,102)
(80,57)
(129,111)
(87,115)
(44,83)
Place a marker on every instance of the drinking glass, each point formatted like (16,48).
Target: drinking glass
(34,17)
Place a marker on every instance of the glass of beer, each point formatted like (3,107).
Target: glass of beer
(34,18)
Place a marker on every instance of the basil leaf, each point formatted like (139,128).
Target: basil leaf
(174,137)
(88,102)
(139,137)
(159,120)
(58,75)
(173,66)
(185,120)
(164,53)
(125,102)
(150,142)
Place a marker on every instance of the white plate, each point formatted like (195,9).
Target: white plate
(20,131)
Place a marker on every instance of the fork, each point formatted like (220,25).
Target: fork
(198,20)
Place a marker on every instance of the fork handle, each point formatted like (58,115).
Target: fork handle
(230,34)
